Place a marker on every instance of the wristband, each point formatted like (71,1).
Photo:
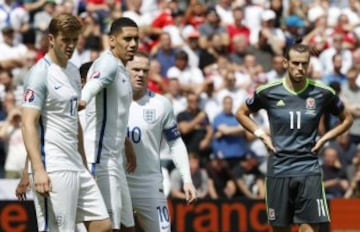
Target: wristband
(259,132)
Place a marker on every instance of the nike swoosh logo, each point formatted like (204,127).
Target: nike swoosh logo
(57,87)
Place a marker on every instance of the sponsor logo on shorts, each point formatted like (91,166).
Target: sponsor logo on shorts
(271,214)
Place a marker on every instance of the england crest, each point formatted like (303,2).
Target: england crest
(149,115)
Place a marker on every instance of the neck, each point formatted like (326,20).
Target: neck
(138,94)
(295,86)
(57,60)
(113,51)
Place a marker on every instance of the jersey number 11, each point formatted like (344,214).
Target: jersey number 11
(295,119)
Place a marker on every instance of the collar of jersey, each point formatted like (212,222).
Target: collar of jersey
(296,92)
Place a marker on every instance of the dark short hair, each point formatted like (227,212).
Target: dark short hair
(299,47)
(118,24)
(181,55)
(84,68)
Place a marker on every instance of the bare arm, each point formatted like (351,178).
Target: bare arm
(24,183)
(231,130)
(243,116)
(344,124)
(130,156)
(212,191)
(31,6)
(244,189)
(186,127)
(81,145)
(30,121)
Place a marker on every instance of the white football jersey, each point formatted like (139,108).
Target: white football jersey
(107,113)
(151,120)
(55,92)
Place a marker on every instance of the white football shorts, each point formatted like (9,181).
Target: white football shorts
(75,197)
(114,188)
(152,213)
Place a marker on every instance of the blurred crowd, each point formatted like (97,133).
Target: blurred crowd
(207,57)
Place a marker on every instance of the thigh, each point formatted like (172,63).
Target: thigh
(110,188)
(127,215)
(310,203)
(41,205)
(153,214)
(57,212)
(91,205)
(278,202)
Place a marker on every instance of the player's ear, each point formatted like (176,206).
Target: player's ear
(285,63)
(51,40)
(112,40)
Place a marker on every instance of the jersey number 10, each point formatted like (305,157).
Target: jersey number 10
(134,134)
(295,120)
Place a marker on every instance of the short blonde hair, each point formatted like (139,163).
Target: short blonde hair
(65,23)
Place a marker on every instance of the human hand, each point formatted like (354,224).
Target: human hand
(22,187)
(200,116)
(190,193)
(131,161)
(203,144)
(130,156)
(318,145)
(265,138)
(42,183)
(82,105)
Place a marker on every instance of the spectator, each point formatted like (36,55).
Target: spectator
(156,83)
(351,94)
(191,45)
(208,101)
(238,27)
(229,140)
(10,132)
(239,45)
(335,75)
(230,89)
(262,51)
(336,48)
(223,8)
(198,175)
(195,128)
(134,12)
(190,78)
(335,181)
(250,181)
(12,54)
(354,189)
(176,96)
(164,53)
(221,182)
(195,14)
(277,72)
(81,55)
(275,37)
(294,29)
(212,26)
